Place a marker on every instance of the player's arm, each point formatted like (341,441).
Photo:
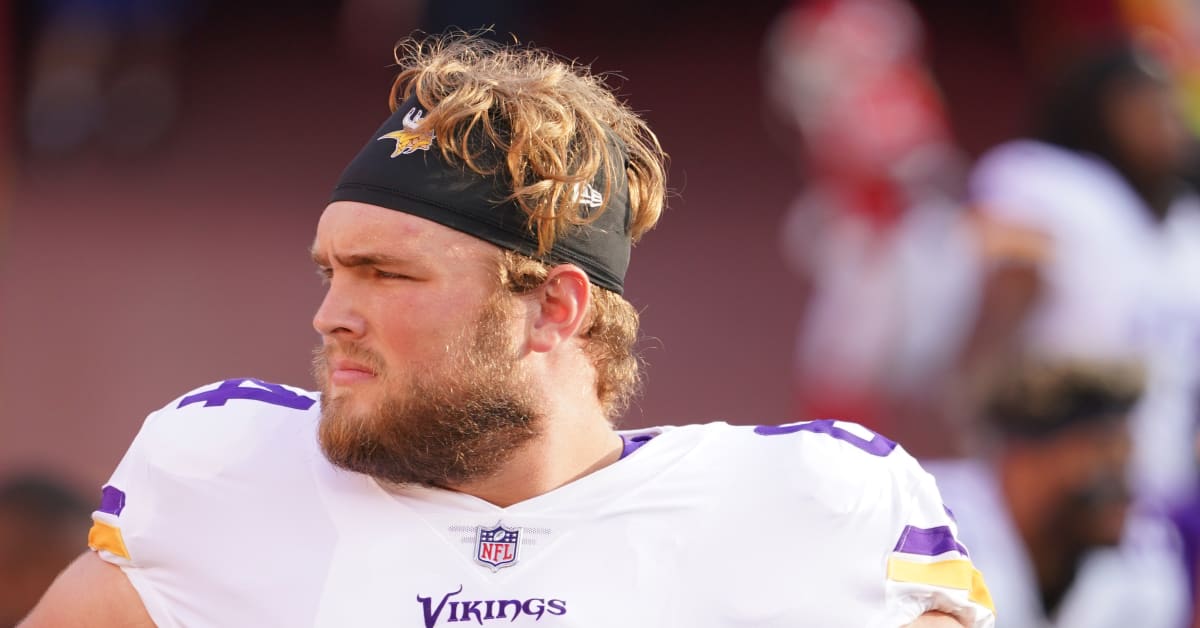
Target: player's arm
(936,620)
(1014,256)
(90,593)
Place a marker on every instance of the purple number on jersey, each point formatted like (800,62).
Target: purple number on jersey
(265,392)
(877,446)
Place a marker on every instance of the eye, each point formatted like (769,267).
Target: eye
(325,273)
(383,274)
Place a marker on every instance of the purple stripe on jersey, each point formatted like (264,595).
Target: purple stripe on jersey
(877,446)
(633,442)
(265,392)
(112,500)
(1187,519)
(928,541)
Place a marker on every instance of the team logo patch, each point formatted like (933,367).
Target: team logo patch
(408,140)
(496,547)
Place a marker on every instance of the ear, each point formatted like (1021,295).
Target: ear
(562,305)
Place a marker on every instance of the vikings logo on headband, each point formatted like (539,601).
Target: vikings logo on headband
(396,176)
(409,140)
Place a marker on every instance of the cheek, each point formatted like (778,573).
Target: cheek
(403,342)
(414,337)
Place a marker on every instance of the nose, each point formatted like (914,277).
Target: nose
(337,316)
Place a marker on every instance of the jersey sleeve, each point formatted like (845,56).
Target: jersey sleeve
(894,544)
(1009,183)
(156,507)
(1040,188)
(928,569)
(127,514)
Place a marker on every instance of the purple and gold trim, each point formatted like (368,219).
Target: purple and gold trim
(949,574)
(929,541)
(107,538)
(112,500)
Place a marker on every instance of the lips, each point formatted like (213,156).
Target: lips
(348,372)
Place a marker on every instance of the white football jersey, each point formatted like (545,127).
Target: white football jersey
(1118,284)
(224,512)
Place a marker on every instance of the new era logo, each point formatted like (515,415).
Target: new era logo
(588,195)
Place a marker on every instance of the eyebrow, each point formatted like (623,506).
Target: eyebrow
(356,259)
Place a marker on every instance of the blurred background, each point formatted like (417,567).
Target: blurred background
(857,230)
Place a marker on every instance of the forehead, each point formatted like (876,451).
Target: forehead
(348,227)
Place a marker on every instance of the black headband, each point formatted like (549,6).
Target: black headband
(401,169)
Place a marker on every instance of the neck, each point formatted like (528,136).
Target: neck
(569,448)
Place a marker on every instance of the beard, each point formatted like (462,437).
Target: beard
(1096,510)
(438,427)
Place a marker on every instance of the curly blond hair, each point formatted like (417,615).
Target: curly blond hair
(551,120)
(546,125)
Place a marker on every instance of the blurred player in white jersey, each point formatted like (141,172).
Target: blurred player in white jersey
(1047,507)
(1115,276)
(460,463)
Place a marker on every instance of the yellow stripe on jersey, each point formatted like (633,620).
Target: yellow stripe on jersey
(979,593)
(951,574)
(108,538)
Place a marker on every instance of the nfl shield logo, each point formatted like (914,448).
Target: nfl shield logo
(496,547)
